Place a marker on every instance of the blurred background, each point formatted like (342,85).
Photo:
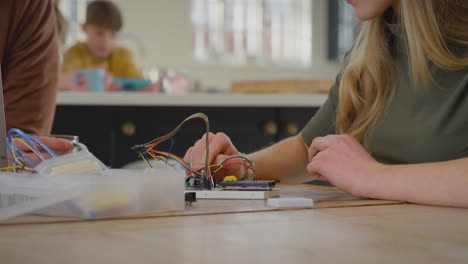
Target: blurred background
(217,42)
(259,69)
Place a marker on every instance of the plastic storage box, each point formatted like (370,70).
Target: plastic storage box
(110,194)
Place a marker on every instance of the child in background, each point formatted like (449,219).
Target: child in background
(99,51)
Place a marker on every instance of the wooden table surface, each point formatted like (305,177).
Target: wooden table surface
(323,196)
(390,233)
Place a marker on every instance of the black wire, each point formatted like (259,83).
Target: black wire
(239,157)
(244,158)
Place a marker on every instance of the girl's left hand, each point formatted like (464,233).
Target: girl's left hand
(343,161)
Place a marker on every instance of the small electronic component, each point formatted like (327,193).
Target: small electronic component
(198,183)
(190,197)
(220,194)
(247,185)
(230,178)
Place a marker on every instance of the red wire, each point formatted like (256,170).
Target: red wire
(193,171)
(155,143)
(239,163)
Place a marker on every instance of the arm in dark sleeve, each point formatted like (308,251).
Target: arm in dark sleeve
(323,122)
(30,66)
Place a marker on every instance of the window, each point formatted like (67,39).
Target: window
(342,29)
(253,32)
(75,13)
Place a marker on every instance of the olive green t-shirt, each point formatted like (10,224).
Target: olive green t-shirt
(420,124)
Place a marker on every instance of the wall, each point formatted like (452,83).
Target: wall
(164,27)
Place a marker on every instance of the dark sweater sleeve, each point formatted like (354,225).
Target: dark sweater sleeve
(30,65)
(323,122)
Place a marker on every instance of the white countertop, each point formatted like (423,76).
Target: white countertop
(201,99)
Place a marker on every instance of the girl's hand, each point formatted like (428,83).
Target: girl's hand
(343,161)
(220,149)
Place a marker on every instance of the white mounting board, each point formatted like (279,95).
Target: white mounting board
(237,195)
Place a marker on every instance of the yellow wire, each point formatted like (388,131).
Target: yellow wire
(220,167)
(144,159)
(15,167)
(27,145)
(14,153)
(152,155)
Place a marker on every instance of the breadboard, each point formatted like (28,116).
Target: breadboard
(237,195)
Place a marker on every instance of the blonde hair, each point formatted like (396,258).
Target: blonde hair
(366,83)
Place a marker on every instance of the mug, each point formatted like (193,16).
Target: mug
(95,79)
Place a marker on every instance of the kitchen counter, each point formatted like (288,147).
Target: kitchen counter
(198,99)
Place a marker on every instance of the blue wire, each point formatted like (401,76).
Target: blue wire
(6,158)
(27,138)
(148,159)
(16,133)
(30,140)
(169,157)
(28,160)
(21,154)
(172,143)
(43,146)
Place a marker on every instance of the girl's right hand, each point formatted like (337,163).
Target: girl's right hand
(220,149)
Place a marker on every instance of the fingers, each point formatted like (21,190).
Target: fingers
(195,153)
(202,147)
(55,144)
(236,170)
(315,167)
(219,144)
(155,87)
(81,88)
(82,80)
(188,154)
(317,145)
(36,159)
(113,87)
(221,157)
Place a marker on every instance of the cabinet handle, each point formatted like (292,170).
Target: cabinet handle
(270,128)
(128,128)
(291,128)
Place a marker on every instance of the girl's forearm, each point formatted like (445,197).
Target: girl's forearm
(285,161)
(438,183)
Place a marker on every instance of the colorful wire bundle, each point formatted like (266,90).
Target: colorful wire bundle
(21,161)
(219,167)
(148,150)
(149,147)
